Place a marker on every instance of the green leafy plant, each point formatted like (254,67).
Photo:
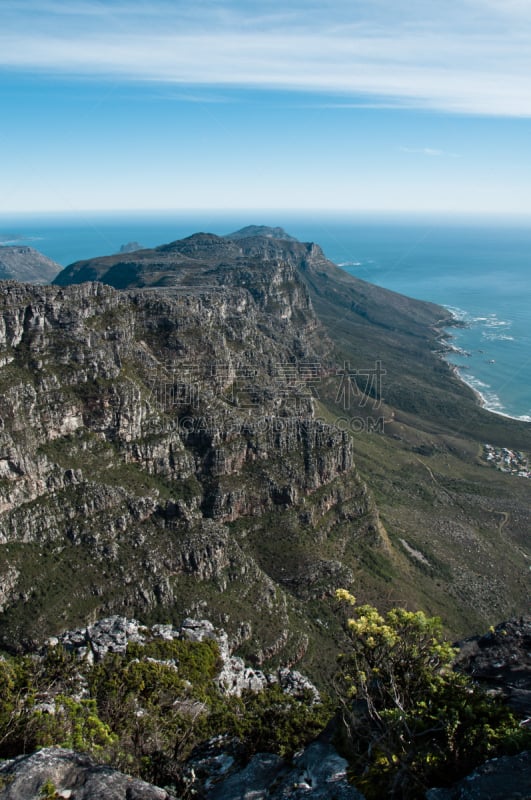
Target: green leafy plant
(74,724)
(270,720)
(48,791)
(408,720)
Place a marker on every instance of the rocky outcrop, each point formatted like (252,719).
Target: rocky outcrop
(131,247)
(113,634)
(56,772)
(110,635)
(266,231)
(318,772)
(501,661)
(506,778)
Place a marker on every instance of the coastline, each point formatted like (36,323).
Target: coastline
(481,399)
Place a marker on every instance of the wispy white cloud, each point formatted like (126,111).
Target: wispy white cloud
(200,97)
(430,152)
(463,56)
(423,151)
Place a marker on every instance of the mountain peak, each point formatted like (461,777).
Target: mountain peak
(261,230)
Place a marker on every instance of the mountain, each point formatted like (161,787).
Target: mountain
(366,323)
(261,230)
(21,263)
(233,428)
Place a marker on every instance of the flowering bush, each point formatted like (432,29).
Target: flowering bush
(408,720)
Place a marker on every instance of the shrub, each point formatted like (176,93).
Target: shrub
(408,720)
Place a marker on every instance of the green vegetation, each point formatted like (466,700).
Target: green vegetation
(143,711)
(408,720)
(48,791)
(405,719)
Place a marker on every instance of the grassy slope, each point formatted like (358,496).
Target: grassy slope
(458,529)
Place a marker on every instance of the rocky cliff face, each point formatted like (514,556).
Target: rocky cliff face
(153,442)
(181,444)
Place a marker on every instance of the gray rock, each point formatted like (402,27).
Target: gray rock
(197,630)
(295,683)
(215,771)
(501,661)
(506,778)
(210,763)
(235,677)
(113,634)
(109,635)
(254,782)
(318,773)
(73,775)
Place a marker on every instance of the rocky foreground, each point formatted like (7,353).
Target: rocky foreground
(215,770)
(318,774)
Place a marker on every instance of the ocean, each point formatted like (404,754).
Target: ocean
(480,268)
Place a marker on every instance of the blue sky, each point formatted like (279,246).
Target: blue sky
(372,105)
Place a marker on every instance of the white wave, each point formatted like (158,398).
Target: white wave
(489,399)
(496,337)
(19,240)
(458,351)
(476,383)
(498,323)
(459,313)
(489,321)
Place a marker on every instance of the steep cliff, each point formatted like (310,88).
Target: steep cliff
(152,440)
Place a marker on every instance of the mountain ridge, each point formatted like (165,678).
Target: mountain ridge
(23,263)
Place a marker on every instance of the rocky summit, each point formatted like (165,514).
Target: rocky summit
(232,428)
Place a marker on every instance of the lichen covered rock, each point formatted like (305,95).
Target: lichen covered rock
(72,776)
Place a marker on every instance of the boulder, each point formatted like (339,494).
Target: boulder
(317,773)
(72,775)
(501,661)
(506,778)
